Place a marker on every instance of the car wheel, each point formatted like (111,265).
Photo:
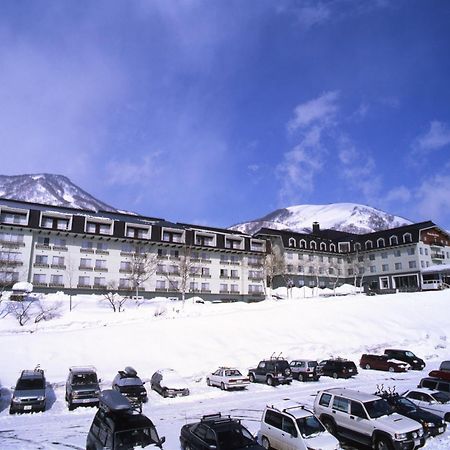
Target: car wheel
(335,375)
(447,417)
(70,406)
(367,366)
(251,377)
(222,386)
(329,425)
(265,443)
(300,377)
(391,369)
(164,393)
(383,444)
(208,382)
(269,381)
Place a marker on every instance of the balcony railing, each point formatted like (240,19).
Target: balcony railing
(87,250)
(39,284)
(437,256)
(43,246)
(58,266)
(12,244)
(42,265)
(60,248)
(85,268)
(100,269)
(102,252)
(84,286)
(56,285)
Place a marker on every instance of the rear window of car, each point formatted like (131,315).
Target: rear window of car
(282,365)
(430,384)
(312,364)
(445,387)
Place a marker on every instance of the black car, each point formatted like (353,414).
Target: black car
(338,368)
(273,371)
(82,387)
(215,431)
(118,426)
(436,384)
(406,356)
(130,385)
(432,424)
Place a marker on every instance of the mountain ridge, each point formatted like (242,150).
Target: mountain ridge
(347,217)
(49,189)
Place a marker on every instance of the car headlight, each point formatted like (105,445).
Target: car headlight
(15,400)
(41,398)
(428,424)
(420,432)
(400,436)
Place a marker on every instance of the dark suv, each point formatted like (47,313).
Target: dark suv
(130,385)
(82,388)
(118,426)
(406,356)
(273,371)
(217,432)
(338,368)
(29,394)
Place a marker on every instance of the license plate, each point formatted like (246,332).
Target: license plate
(87,400)
(27,407)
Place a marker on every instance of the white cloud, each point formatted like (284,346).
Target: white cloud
(140,172)
(433,198)
(437,136)
(319,111)
(312,14)
(399,194)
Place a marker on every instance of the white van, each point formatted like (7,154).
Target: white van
(290,426)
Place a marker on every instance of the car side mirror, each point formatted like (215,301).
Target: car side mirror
(162,440)
(144,382)
(99,380)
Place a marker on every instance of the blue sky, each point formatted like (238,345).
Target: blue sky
(215,112)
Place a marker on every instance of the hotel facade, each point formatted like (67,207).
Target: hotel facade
(84,252)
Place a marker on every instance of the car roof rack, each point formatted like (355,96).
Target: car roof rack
(274,357)
(82,369)
(218,418)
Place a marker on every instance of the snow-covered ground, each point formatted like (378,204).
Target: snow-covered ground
(196,338)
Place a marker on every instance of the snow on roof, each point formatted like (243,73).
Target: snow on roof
(23,286)
(437,268)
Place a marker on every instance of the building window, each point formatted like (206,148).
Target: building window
(44,241)
(385,267)
(360,258)
(125,283)
(300,269)
(398,266)
(421,250)
(56,280)
(58,261)
(380,242)
(412,264)
(39,278)
(422,264)
(42,260)
(15,218)
(384,282)
(193,286)
(85,263)
(87,245)
(160,284)
(372,257)
(254,289)
(205,287)
(393,240)
(99,282)
(234,288)
(100,264)
(290,255)
(407,237)
(84,281)
(426,251)
(369,245)
(310,257)
(332,248)
(384,255)
(350,272)
(410,251)
(291,242)
(397,253)
(373,269)
(313,245)
(323,246)
(311,269)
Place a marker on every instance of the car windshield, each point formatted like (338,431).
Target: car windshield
(309,426)
(31,384)
(312,364)
(139,437)
(378,408)
(234,438)
(406,404)
(233,373)
(441,397)
(410,354)
(84,378)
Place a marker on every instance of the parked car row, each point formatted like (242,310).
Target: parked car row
(392,360)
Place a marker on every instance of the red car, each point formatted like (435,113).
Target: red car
(383,362)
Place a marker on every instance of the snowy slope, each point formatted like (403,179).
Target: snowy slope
(197,338)
(349,217)
(49,189)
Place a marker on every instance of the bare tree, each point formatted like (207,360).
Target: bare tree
(21,311)
(358,264)
(182,269)
(142,266)
(273,265)
(45,313)
(333,272)
(71,273)
(115,300)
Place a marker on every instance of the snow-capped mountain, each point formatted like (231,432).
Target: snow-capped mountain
(49,189)
(349,217)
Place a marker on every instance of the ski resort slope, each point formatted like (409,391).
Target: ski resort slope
(196,338)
